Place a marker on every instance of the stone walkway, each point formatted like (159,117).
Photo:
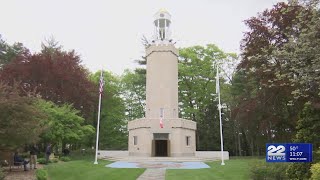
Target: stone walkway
(153,174)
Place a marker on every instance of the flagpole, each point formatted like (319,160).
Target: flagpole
(98,124)
(219,107)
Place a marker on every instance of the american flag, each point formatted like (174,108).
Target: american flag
(161,117)
(101,83)
(161,122)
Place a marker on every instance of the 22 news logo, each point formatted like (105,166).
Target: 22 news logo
(276,153)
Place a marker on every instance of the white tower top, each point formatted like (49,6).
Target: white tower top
(162,22)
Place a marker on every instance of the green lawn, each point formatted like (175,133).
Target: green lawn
(234,169)
(84,170)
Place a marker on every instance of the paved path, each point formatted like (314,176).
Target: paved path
(153,174)
(20,174)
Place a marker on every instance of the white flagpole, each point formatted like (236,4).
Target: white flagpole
(98,124)
(219,107)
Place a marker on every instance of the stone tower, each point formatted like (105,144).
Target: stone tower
(162,132)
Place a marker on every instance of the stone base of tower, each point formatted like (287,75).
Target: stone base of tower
(175,139)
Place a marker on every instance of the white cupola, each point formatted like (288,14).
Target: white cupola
(162,22)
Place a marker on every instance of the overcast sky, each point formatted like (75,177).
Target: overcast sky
(107,34)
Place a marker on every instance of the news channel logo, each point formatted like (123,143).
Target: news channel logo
(289,152)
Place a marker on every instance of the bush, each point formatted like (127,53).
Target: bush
(299,170)
(54,160)
(42,161)
(1,174)
(302,170)
(65,159)
(258,171)
(25,155)
(315,171)
(41,174)
(316,156)
(262,170)
(41,155)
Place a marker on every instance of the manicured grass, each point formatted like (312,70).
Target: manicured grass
(85,169)
(82,168)
(234,169)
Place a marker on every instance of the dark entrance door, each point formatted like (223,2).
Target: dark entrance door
(160,145)
(161,148)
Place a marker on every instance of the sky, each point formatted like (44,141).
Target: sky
(107,33)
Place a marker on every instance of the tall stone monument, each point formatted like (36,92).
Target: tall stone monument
(162,132)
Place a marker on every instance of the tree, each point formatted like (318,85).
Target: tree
(21,122)
(9,53)
(270,32)
(3,49)
(113,123)
(56,75)
(301,57)
(308,127)
(133,91)
(197,97)
(274,50)
(279,50)
(65,126)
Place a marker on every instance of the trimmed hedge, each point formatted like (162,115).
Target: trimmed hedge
(41,174)
(315,171)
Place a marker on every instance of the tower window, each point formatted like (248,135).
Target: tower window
(188,140)
(135,140)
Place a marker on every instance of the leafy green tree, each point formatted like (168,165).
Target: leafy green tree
(197,92)
(308,127)
(9,53)
(133,92)
(65,125)
(21,122)
(113,123)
